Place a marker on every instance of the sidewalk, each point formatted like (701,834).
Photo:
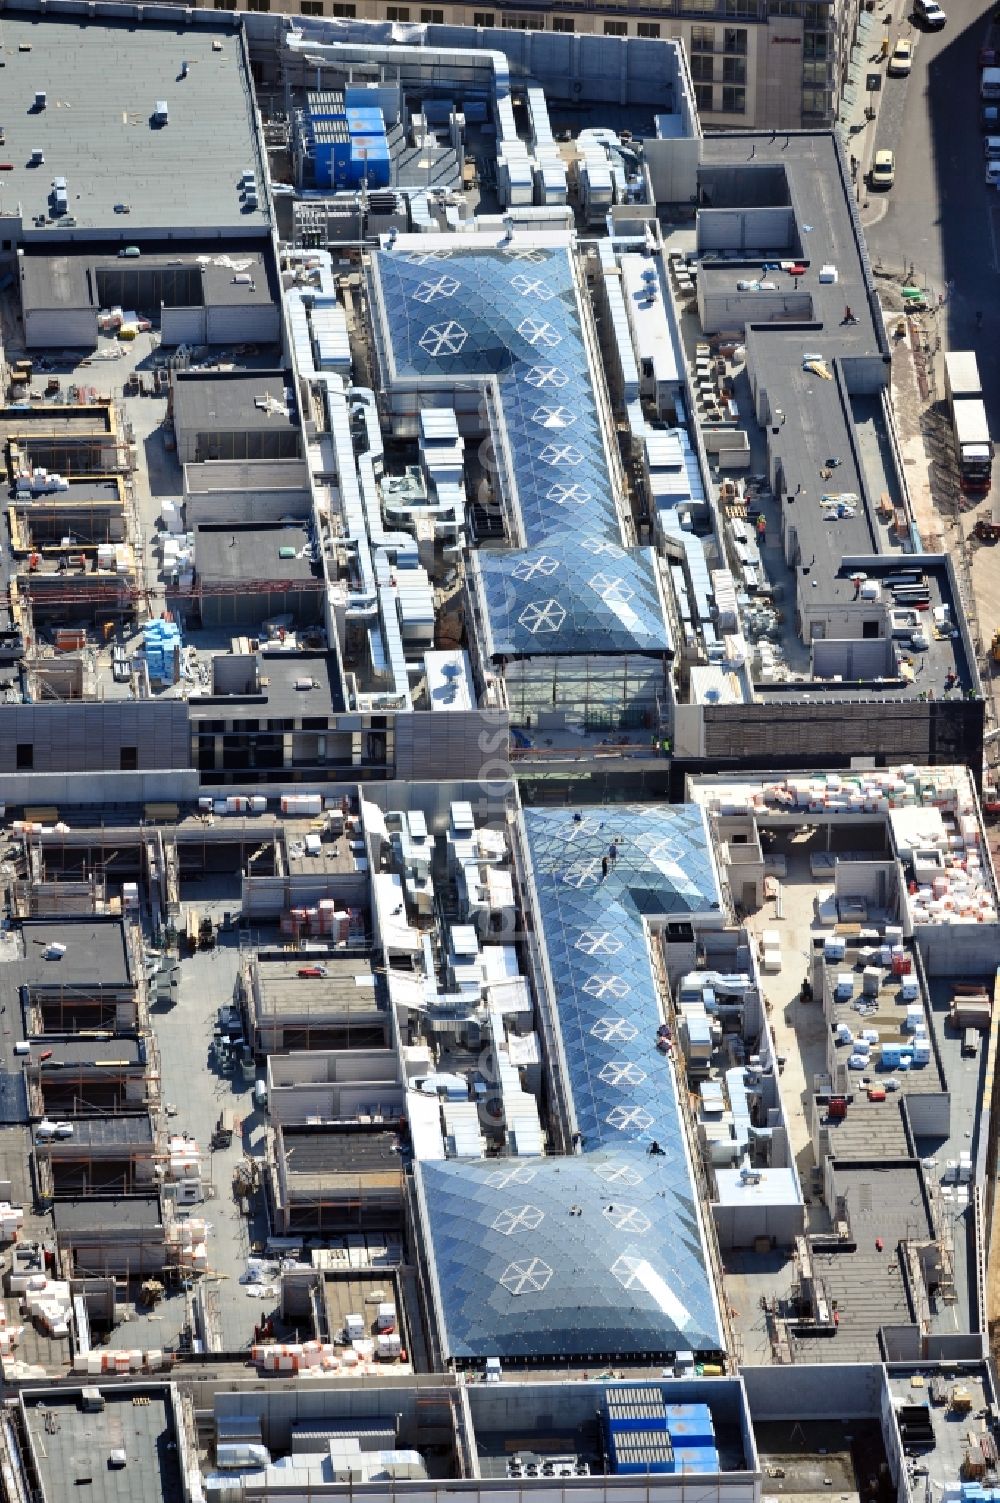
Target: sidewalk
(856,130)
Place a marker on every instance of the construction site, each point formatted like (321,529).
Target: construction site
(499,950)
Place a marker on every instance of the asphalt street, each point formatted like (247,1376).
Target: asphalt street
(940,216)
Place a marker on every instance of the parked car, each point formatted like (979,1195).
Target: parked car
(931,14)
(883,170)
(991,146)
(993,172)
(901,60)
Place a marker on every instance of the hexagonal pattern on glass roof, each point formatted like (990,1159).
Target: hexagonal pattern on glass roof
(606,1002)
(564,597)
(513,315)
(605,1262)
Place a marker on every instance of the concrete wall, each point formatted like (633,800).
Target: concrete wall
(255,324)
(246,506)
(597,69)
(302,1066)
(902,1343)
(858,659)
(799,1392)
(875,881)
(269,897)
(720,309)
(256,603)
(297,1106)
(336,1085)
(929,1113)
(842,622)
(957,950)
(689,731)
(182,325)
(751,229)
(865,375)
(959,1347)
(673,168)
(83,788)
(60,328)
(278,1409)
(740,1226)
(890,1430)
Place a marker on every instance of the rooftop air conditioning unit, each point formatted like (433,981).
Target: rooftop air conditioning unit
(37,156)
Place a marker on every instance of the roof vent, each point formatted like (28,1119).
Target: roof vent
(40,99)
(37,157)
(185,65)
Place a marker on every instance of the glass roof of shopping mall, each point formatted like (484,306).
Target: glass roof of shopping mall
(595,939)
(580,594)
(450,313)
(592,1256)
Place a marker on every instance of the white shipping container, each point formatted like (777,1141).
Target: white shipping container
(302,803)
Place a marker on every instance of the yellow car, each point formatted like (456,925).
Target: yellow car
(883,170)
(902,58)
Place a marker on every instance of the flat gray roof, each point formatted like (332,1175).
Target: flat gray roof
(141,1212)
(108,1132)
(885,1204)
(232,551)
(254,475)
(96,954)
(223,402)
(812,430)
(945,1459)
(943,655)
(72,281)
(817,422)
(340,1152)
(102,84)
(279,696)
(283,671)
(871,1130)
(71,1448)
(287,997)
(96,1052)
(84,488)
